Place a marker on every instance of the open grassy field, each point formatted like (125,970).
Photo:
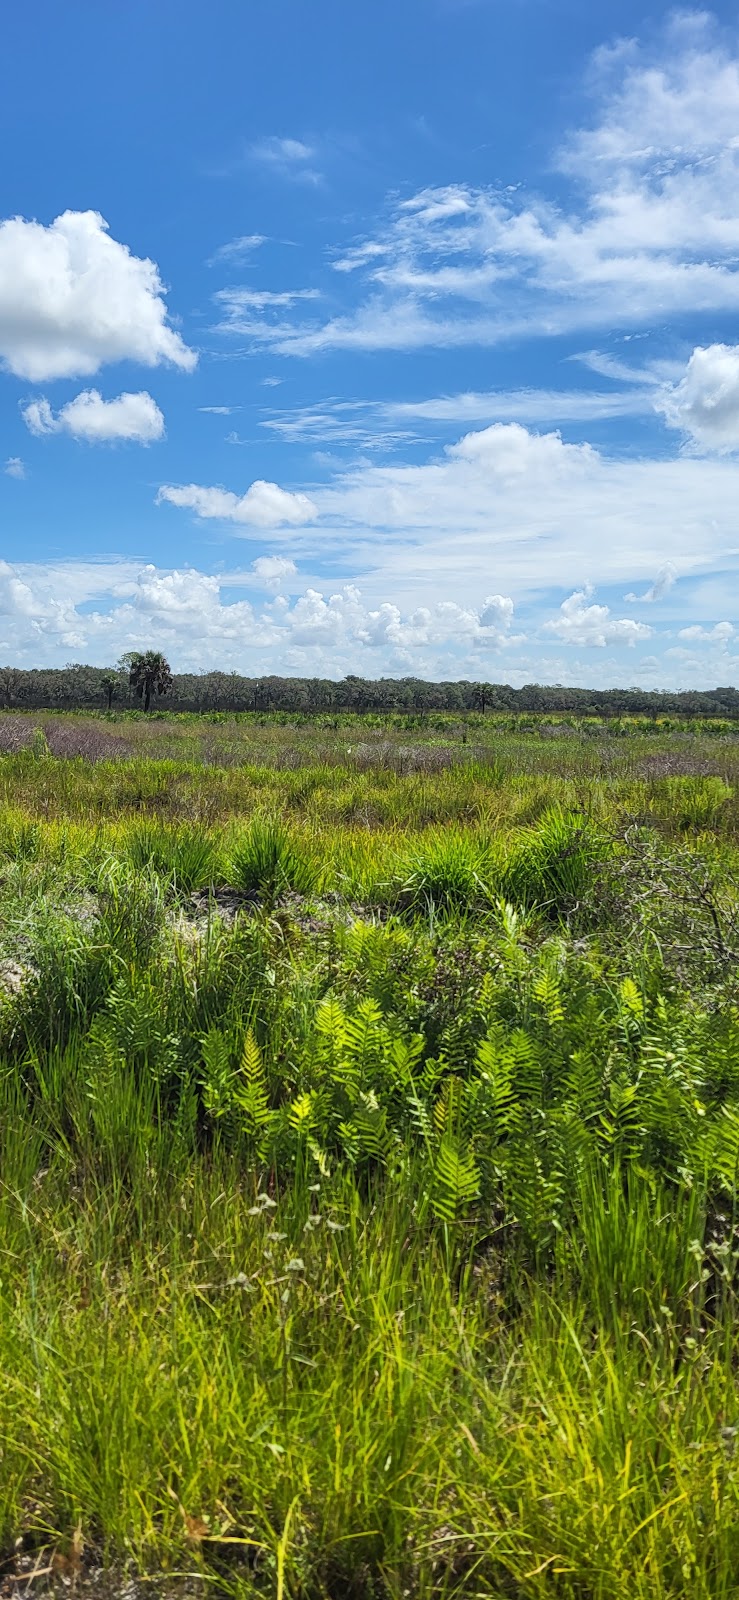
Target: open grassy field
(369,1145)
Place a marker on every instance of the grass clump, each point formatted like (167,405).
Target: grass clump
(550,867)
(269,859)
(447,870)
(186,856)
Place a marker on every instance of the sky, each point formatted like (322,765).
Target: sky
(392,339)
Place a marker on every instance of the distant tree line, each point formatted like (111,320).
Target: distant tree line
(79,687)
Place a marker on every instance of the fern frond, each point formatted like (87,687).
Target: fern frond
(546,990)
(456,1180)
(250,1092)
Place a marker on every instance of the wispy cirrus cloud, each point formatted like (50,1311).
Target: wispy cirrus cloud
(287,158)
(237,249)
(377,425)
(253,312)
(652,230)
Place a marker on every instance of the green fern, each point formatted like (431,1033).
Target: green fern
(546,990)
(250,1093)
(370,1133)
(620,1125)
(456,1180)
(217,1073)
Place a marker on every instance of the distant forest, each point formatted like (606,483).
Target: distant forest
(77,687)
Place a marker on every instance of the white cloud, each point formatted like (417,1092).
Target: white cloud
(538,507)
(246,311)
(383,424)
(356,422)
(581,624)
(15,596)
(274,149)
(265,505)
(272,570)
(649,230)
(530,505)
(97,610)
(524,405)
(719,634)
(220,411)
(235,249)
(663,583)
(72,298)
(291,158)
(14,467)
(705,404)
(41,619)
(135,417)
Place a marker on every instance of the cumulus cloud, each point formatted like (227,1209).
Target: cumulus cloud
(105,609)
(705,403)
(272,570)
(14,467)
(592,625)
(201,620)
(72,298)
(508,451)
(135,417)
(265,505)
(15,596)
(719,634)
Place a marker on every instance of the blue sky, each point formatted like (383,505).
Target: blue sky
(374,338)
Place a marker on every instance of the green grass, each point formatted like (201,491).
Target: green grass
(369,1143)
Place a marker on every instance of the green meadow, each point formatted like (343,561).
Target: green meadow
(369,1144)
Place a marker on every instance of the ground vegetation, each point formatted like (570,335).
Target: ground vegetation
(369,1144)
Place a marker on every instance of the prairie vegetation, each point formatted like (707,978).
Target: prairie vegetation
(369,1139)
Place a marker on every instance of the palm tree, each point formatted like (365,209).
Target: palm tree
(109,683)
(149,673)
